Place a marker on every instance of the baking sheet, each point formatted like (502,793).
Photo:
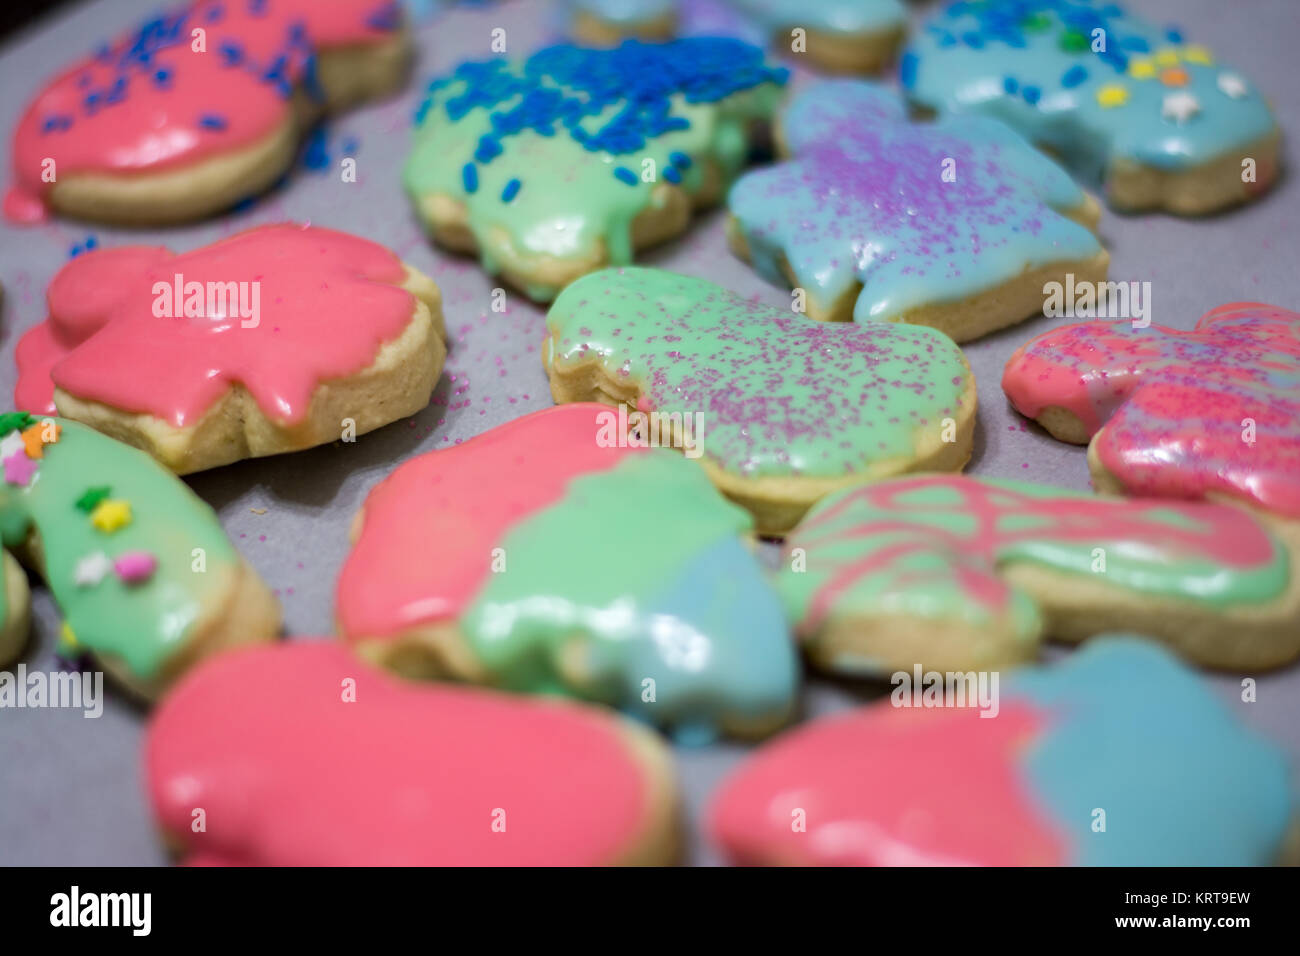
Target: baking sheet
(70,788)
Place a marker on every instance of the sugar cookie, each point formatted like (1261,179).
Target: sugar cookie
(611,573)
(276,339)
(956,572)
(609,22)
(787,409)
(1214,412)
(956,225)
(198,108)
(325,761)
(573,160)
(1152,117)
(1118,756)
(141,569)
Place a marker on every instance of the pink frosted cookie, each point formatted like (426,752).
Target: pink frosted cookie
(199,107)
(1116,757)
(273,340)
(325,761)
(1214,412)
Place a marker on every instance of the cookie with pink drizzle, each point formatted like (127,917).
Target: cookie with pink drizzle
(275,339)
(198,108)
(1119,756)
(955,572)
(956,224)
(779,409)
(1209,413)
(435,775)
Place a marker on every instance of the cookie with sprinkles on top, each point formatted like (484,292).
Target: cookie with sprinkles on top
(1117,756)
(787,409)
(574,159)
(198,108)
(141,570)
(956,224)
(1213,412)
(1142,109)
(956,573)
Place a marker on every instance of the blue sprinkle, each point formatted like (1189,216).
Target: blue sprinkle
(1032,94)
(972,40)
(1010,84)
(162,77)
(316,156)
(679,159)
(1174,35)
(231,52)
(1136,44)
(511,190)
(625,175)
(907,70)
(672,175)
(212,121)
(469,175)
(1074,76)
(257,7)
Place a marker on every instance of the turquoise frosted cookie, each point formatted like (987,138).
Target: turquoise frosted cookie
(956,224)
(1119,756)
(569,560)
(572,160)
(606,22)
(779,409)
(952,571)
(1154,117)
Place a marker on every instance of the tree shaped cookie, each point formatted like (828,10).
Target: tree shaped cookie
(1214,412)
(779,409)
(575,158)
(1118,756)
(199,107)
(544,580)
(1153,117)
(956,225)
(325,761)
(272,340)
(141,569)
(955,572)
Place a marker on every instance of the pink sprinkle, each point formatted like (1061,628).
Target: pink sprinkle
(19,468)
(133,567)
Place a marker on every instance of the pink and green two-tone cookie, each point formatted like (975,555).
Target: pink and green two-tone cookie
(554,555)
(1118,756)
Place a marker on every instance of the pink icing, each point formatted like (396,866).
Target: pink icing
(327,303)
(881,786)
(1218,532)
(1169,407)
(406,774)
(152,103)
(426,545)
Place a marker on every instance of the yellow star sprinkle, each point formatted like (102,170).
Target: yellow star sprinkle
(1199,55)
(1167,56)
(1112,95)
(69,638)
(1141,69)
(111,514)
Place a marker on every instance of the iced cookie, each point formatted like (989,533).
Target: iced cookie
(956,225)
(782,410)
(608,22)
(143,574)
(573,160)
(198,108)
(1119,756)
(1152,117)
(1214,412)
(550,555)
(304,755)
(954,573)
(273,340)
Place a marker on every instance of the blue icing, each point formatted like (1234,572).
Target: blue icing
(1136,733)
(830,16)
(626,12)
(863,200)
(1030,42)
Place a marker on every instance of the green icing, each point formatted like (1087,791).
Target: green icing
(569,202)
(774,392)
(931,547)
(143,623)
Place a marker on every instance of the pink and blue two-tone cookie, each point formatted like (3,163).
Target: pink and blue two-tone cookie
(1153,116)
(554,555)
(956,225)
(1119,756)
